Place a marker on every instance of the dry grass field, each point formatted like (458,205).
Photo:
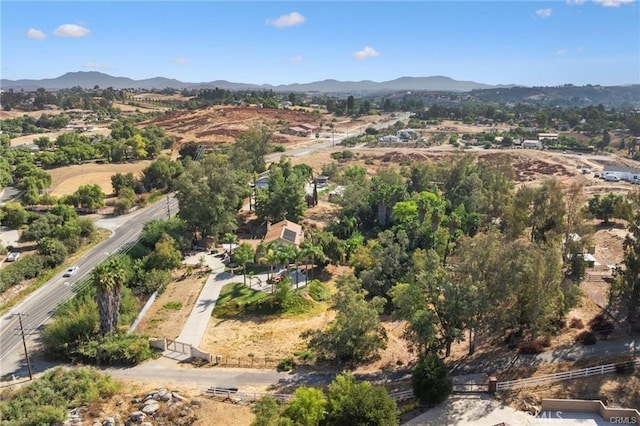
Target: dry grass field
(65,180)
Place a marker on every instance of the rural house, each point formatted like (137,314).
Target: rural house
(284,232)
(532,144)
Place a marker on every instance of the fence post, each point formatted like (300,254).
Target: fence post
(493,385)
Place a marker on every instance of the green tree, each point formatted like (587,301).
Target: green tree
(607,207)
(359,403)
(14,215)
(161,174)
(249,149)
(210,192)
(283,198)
(108,278)
(165,255)
(307,408)
(356,333)
(88,196)
(267,411)
(243,255)
(626,288)
(430,380)
(119,181)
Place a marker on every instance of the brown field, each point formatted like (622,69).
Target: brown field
(66,180)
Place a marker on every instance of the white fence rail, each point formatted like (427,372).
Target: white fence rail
(566,375)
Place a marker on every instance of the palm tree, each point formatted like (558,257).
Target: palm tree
(310,252)
(244,254)
(267,256)
(109,277)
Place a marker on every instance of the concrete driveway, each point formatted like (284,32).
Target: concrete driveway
(482,410)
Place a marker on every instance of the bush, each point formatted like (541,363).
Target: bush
(430,380)
(119,349)
(625,367)
(587,338)
(318,291)
(599,324)
(531,347)
(305,355)
(286,364)
(576,323)
(46,400)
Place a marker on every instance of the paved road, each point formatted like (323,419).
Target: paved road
(40,305)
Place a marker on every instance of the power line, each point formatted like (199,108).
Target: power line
(22,331)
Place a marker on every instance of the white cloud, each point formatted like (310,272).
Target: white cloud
(575,2)
(562,52)
(34,34)
(290,20)
(296,59)
(613,3)
(179,60)
(367,52)
(544,13)
(96,66)
(580,49)
(71,30)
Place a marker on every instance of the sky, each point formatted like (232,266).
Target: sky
(532,43)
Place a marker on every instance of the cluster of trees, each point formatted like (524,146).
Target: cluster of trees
(453,249)
(91,327)
(347,401)
(96,99)
(27,125)
(57,233)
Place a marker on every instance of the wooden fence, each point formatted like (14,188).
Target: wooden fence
(568,375)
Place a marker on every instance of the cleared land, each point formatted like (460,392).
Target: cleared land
(66,180)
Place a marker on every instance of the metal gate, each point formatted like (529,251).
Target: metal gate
(175,346)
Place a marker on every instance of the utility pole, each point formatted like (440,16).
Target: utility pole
(21,330)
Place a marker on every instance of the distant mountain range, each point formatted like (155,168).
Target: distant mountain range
(90,79)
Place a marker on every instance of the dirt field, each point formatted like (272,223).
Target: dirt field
(221,124)
(65,180)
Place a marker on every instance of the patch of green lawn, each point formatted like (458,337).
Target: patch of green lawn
(236,298)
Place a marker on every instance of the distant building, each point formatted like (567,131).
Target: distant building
(547,136)
(297,131)
(629,174)
(532,144)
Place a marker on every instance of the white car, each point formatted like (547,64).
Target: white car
(70,271)
(13,256)
(611,178)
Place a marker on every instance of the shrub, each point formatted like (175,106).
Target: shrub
(127,349)
(174,306)
(430,380)
(625,367)
(286,364)
(318,291)
(587,338)
(576,323)
(46,400)
(531,347)
(305,355)
(599,324)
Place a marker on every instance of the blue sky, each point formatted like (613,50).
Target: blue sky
(521,42)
